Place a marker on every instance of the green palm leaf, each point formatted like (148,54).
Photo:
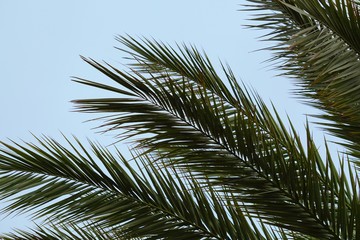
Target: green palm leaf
(318,45)
(63,232)
(224,137)
(75,186)
(211,160)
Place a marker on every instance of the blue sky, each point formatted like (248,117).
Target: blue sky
(41,42)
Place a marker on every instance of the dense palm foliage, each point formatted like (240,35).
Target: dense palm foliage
(209,159)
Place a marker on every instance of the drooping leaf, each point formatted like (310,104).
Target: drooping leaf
(74,185)
(223,136)
(317,44)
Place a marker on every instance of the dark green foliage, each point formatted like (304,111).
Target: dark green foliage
(318,45)
(211,161)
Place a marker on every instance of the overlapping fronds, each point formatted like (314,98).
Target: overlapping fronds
(318,44)
(212,161)
(225,138)
(102,191)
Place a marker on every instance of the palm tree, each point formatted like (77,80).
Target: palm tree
(210,159)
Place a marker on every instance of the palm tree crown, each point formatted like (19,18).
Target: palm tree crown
(210,159)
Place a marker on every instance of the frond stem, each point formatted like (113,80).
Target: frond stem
(140,201)
(247,164)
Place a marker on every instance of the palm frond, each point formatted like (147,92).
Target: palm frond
(73,185)
(64,232)
(225,137)
(317,43)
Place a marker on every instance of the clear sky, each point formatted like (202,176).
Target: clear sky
(41,42)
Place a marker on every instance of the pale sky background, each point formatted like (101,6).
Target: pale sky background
(41,42)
